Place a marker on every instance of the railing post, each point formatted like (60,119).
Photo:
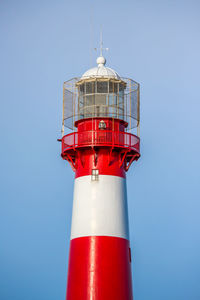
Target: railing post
(112,138)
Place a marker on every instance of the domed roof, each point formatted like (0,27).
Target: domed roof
(101,70)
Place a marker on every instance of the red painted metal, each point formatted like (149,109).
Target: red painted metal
(92,124)
(100,138)
(112,152)
(99,268)
(107,162)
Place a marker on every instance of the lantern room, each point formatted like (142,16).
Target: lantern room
(100,93)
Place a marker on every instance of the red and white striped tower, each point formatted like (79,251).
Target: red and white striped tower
(100,107)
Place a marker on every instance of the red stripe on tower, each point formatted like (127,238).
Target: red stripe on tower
(99,268)
(102,107)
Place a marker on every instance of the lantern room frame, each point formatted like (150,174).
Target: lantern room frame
(121,100)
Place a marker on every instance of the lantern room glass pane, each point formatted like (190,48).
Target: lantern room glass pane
(82,89)
(113,87)
(90,87)
(121,87)
(102,86)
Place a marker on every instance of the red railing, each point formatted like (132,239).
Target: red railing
(100,138)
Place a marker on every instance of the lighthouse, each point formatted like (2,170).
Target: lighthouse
(102,110)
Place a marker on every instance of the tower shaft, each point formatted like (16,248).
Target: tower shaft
(100,257)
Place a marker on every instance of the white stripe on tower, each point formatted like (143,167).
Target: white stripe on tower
(100,207)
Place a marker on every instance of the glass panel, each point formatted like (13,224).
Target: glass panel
(102,86)
(110,100)
(88,108)
(111,87)
(80,101)
(88,100)
(121,101)
(121,87)
(89,87)
(116,85)
(82,88)
(100,99)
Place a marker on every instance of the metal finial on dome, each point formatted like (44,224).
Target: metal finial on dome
(101,70)
(101,60)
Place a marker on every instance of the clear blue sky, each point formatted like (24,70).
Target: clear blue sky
(44,43)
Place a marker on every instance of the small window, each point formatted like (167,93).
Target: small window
(95,174)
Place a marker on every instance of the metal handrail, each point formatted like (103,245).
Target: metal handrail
(100,138)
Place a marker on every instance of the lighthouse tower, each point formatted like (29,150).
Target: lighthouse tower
(102,109)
